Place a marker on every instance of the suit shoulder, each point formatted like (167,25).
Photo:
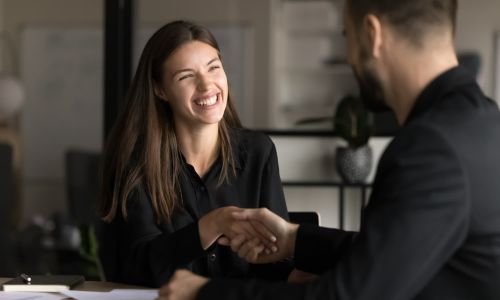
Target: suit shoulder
(422,133)
(419,138)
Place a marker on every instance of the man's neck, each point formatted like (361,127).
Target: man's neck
(410,76)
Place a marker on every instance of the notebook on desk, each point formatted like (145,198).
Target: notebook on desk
(43,283)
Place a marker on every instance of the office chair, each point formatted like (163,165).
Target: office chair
(7,185)
(8,258)
(82,189)
(304,217)
(82,185)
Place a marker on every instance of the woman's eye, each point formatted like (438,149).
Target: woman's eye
(185,76)
(214,67)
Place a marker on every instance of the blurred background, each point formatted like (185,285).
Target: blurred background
(65,67)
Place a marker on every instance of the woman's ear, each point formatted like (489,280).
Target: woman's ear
(160,93)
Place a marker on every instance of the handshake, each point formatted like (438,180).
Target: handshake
(257,235)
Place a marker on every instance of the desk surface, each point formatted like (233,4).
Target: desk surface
(95,286)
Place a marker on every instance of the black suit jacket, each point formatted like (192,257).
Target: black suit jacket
(432,227)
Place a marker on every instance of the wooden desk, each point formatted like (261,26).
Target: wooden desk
(95,286)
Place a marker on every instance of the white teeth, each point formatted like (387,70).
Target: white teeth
(207,102)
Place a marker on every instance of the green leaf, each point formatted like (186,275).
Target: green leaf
(352,121)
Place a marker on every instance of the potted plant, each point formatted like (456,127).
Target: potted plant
(353,123)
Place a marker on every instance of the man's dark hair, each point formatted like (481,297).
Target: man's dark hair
(411,18)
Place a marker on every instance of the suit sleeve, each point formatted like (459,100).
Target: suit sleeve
(415,221)
(148,256)
(318,249)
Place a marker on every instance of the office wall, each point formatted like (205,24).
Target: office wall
(255,14)
(1,30)
(477,20)
(45,194)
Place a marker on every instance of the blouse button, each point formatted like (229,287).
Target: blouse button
(202,188)
(212,256)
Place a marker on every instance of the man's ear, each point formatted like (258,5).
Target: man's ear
(373,28)
(160,93)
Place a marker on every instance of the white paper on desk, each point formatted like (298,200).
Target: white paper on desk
(30,296)
(118,294)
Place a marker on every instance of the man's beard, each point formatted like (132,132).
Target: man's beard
(370,91)
(370,88)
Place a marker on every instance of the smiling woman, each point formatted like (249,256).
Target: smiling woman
(178,164)
(195,85)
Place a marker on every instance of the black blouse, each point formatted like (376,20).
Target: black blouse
(148,253)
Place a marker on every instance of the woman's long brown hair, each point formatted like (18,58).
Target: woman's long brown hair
(142,147)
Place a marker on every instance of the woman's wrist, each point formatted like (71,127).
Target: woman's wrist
(209,231)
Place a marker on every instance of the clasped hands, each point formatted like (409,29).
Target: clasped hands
(257,235)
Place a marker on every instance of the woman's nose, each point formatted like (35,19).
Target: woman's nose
(203,83)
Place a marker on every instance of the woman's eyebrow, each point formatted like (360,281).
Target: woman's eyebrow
(180,71)
(188,70)
(213,60)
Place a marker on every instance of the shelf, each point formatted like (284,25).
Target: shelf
(325,184)
(341,186)
(312,133)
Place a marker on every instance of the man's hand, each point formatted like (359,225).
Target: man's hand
(263,220)
(183,285)
(222,222)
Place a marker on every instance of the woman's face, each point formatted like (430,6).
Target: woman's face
(194,84)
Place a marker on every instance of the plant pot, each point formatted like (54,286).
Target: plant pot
(354,164)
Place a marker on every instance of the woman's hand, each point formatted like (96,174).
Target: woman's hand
(224,222)
(263,220)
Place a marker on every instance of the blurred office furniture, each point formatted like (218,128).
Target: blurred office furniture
(108,249)
(82,185)
(10,138)
(304,217)
(363,189)
(12,92)
(7,204)
(12,97)
(7,185)
(341,188)
(82,189)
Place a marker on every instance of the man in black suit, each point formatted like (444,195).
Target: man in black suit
(432,227)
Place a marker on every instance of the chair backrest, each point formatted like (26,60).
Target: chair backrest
(82,185)
(108,249)
(7,185)
(8,259)
(304,217)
